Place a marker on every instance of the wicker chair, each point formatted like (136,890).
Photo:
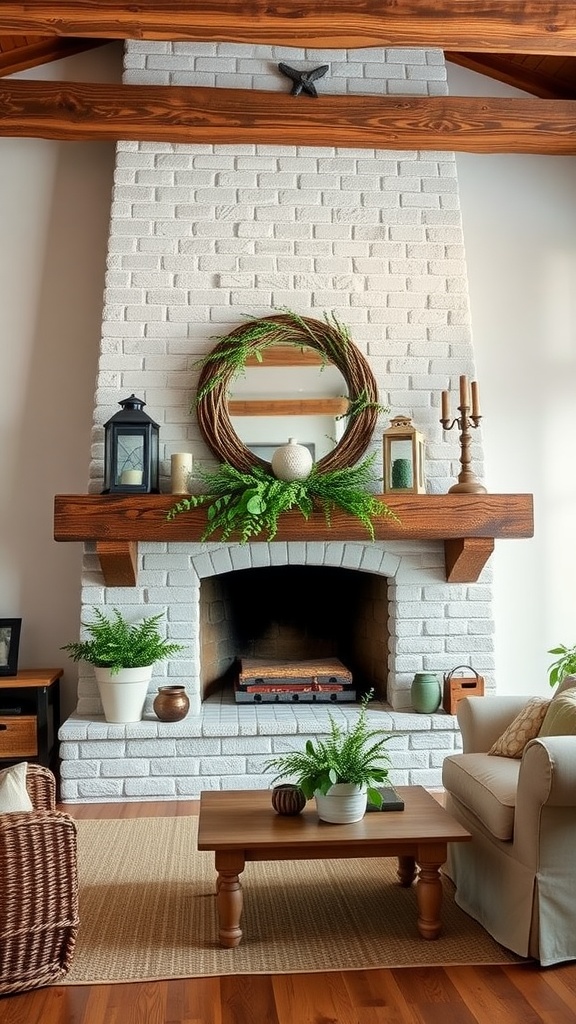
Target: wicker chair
(38,890)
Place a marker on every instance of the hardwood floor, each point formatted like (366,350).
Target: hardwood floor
(512,994)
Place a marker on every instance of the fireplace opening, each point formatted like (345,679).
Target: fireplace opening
(295,615)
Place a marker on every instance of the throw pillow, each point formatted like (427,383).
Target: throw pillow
(560,719)
(525,726)
(13,792)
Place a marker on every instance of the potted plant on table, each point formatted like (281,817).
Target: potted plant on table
(123,655)
(340,771)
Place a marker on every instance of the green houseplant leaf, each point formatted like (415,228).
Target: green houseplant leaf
(564,665)
(116,643)
(358,756)
(251,502)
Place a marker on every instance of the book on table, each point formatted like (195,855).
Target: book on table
(391,801)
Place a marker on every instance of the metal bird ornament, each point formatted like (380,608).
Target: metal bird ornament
(303,80)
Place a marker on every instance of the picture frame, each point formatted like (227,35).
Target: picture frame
(9,646)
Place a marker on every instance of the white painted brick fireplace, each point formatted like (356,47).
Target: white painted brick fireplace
(200,237)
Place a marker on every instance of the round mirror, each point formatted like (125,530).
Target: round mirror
(288,392)
(322,374)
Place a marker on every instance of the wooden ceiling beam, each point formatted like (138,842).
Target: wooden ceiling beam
(31,53)
(548,84)
(86,111)
(529,26)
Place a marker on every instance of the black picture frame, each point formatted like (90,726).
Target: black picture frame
(9,646)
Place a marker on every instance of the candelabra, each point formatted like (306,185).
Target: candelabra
(469,419)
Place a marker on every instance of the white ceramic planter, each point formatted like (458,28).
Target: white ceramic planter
(342,804)
(123,694)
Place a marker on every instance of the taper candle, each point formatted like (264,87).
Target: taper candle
(464,393)
(445,406)
(475,398)
(181,468)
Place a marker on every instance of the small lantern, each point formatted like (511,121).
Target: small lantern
(403,458)
(131,451)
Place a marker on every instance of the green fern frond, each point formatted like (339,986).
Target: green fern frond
(115,643)
(230,352)
(250,503)
(358,756)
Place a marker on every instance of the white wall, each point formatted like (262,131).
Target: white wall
(54,212)
(519,217)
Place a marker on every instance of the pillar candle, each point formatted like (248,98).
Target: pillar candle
(181,468)
(464,393)
(475,398)
(131,477)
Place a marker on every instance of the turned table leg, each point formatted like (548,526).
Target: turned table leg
(429,897)
(229,898)
(406,870)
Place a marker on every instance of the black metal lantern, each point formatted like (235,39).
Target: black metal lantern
(131,464)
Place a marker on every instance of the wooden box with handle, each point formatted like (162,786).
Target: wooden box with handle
(457,687)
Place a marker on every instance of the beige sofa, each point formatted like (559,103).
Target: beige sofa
(518,875)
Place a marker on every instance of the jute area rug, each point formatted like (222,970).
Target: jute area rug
(148,912)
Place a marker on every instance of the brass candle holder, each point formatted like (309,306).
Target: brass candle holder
(468,420)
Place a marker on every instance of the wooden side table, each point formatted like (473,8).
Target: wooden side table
(30,715)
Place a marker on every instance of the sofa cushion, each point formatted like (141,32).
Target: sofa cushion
(13,792)
(560,719)
(486,785)
(525,727)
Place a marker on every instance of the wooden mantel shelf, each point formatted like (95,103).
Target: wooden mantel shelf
(467,523)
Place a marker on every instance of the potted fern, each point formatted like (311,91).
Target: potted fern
(123,655)
(340,771)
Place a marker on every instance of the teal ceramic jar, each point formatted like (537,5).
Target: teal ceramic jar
(426,693)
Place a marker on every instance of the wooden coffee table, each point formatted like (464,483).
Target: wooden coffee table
(241,825)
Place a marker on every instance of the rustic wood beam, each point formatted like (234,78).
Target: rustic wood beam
(544,81)
(287,406)
(528,26)
(32,52)
(467,523)
(80,112)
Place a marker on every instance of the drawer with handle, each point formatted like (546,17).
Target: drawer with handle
(18,736)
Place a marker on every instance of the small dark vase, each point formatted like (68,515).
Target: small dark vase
(171,703)
(288,799)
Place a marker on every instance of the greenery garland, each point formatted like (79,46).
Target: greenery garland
(251,502)
(231,351)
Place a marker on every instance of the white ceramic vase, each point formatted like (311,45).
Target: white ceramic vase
(123,694)
(292,461)
(342,804)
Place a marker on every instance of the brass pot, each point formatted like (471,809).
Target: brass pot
(171,703)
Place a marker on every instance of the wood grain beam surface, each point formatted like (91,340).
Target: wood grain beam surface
(85,111)
(528,26)
(42,51)
(126,517)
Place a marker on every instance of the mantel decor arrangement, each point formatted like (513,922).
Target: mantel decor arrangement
(247,495)
(340,483)
(250,502)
